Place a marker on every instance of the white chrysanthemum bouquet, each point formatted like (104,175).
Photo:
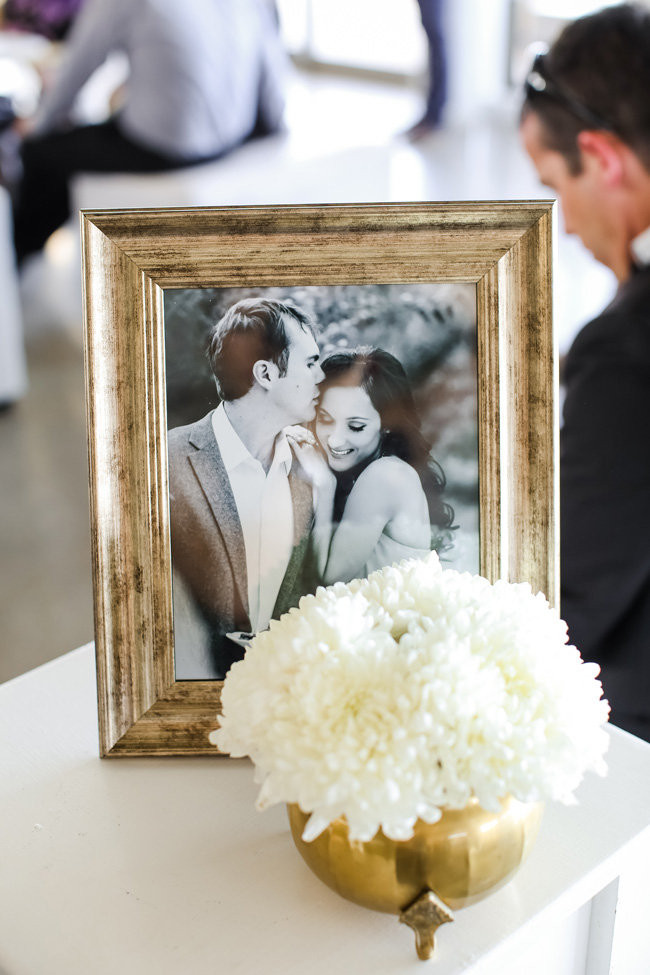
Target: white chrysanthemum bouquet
(391,698)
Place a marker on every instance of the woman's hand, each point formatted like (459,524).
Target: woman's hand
(311,459)
(299,435)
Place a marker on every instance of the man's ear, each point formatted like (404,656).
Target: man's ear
(606,151)
(264,372)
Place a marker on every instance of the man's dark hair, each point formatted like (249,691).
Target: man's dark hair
(601,64)
(250,330)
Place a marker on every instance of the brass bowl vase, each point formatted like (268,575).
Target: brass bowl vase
(457,861)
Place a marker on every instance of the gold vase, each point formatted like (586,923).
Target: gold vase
(457,861)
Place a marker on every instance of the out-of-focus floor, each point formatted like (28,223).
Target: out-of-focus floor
(45,568)
(343,145)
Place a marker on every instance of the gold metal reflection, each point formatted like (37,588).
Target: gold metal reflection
(460,859)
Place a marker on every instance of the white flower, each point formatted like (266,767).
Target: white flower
(391,698)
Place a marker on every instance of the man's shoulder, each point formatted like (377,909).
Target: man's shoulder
(631,298)
(622,330)
(179,438)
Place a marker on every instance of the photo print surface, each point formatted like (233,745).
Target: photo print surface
(315,434)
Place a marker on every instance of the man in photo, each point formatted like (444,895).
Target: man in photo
(586,127)
(241,509)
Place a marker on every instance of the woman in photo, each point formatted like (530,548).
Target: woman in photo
(378,493)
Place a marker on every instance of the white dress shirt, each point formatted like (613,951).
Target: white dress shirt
(201,72)
(640,248)
(265,512)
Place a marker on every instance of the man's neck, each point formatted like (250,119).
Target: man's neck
(635,254)
(621,256)
(622,267)
(636,216)
(256,427)
(623,211)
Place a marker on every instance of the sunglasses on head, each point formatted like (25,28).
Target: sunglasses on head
(538,84)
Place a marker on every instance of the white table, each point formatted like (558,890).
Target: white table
(138,866)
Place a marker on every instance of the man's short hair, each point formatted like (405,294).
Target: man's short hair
(600,63)
(251,329)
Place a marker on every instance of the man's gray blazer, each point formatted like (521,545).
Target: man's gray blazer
(208,554)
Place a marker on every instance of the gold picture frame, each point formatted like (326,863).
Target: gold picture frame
(131,256)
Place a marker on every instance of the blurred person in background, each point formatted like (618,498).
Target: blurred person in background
(586,126)
(203,78)
(50,18)
(431,12)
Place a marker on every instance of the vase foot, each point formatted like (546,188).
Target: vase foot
(425,915)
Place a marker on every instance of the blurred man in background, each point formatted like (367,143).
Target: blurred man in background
(432,15)
(203,77)
(586,126)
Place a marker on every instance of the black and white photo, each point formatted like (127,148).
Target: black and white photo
(316,434)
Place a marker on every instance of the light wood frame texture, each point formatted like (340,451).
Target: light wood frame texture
(131,256)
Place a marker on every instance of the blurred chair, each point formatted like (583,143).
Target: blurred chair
(13,372)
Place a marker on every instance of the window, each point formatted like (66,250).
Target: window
(376,35)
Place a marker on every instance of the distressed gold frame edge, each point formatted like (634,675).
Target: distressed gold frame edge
(130,256)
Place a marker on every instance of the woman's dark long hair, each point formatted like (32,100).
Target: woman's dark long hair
(382,377)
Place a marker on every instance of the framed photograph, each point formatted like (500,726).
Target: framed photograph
(284,397)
